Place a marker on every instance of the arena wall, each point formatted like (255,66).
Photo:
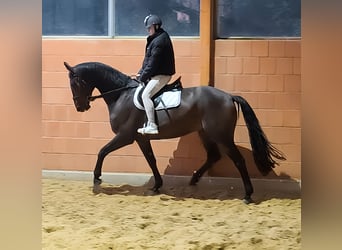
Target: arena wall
(266,72)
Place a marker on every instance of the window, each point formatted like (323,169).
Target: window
(75,17)
(118,17)
(258,18)
(180,17)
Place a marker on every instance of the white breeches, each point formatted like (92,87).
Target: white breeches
(153,86)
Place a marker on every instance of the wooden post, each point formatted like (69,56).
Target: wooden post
(206,41)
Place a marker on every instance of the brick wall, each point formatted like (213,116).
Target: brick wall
(266,73)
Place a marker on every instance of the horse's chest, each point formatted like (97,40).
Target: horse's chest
(118,118)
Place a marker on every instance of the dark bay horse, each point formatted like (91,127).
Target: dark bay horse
(207,110)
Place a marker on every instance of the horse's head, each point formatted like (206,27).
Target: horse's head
(81,90)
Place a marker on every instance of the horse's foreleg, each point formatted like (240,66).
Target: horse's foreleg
(146,148)
(117,142)
(240,164)
(213,155)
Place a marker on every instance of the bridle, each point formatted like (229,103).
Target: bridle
(78,83)
(93,98)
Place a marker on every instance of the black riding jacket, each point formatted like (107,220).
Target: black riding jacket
(159,56)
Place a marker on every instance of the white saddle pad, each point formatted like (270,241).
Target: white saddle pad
(170,99)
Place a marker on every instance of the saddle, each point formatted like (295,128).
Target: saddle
(167,97)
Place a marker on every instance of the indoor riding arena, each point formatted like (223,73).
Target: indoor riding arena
(246,48)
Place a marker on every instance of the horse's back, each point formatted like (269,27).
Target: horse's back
(216,110)
(206,103)
(206,97)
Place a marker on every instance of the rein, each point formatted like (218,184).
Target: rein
(93,98)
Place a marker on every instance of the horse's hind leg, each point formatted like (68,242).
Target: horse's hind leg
(239,161)
(213,155)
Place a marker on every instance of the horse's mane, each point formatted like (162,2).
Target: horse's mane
(101,73)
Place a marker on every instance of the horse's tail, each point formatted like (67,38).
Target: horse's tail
(263,151)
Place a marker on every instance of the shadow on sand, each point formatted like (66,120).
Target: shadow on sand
(208,188)
(221,182)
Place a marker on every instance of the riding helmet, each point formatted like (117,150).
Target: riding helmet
(152,20)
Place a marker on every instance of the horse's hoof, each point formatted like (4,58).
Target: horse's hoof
(96,189)
(155,190)
(152,191)
(194,180)
(247,200)
(97,181)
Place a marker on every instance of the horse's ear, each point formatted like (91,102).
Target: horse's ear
(69,67)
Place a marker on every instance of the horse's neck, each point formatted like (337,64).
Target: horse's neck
(111,93)
(104,85)
(108,83)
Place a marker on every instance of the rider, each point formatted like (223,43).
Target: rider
(157,68)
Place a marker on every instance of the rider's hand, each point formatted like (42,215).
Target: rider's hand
(135,77)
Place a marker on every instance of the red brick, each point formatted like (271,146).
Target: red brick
(276,48)
(244,83)
(55,79)
(288,101)
(60,112)
(65,129)
(241,133)
(292,118)
(182,47)
(260,48)
(220,65)
(188,65)
(225,82)
(284,66)
(234,65)
(268,65)
(279,135)
(224,48)
(68,162)
(56,96)
(250,65)
(296,136)
(266,100)
(293,48)
(275,83)
(97,113)
(101,130)
(243,48)
(259,83)
(190,79)
(292,83)
(270,117)
(128,65)
(292,152)
(129,47)
(195,48)
(297,66)
(165,148)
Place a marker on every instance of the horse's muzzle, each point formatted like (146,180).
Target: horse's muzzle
(82,109)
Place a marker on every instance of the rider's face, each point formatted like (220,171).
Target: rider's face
(151,30)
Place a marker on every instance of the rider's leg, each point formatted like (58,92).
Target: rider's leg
(153,86)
